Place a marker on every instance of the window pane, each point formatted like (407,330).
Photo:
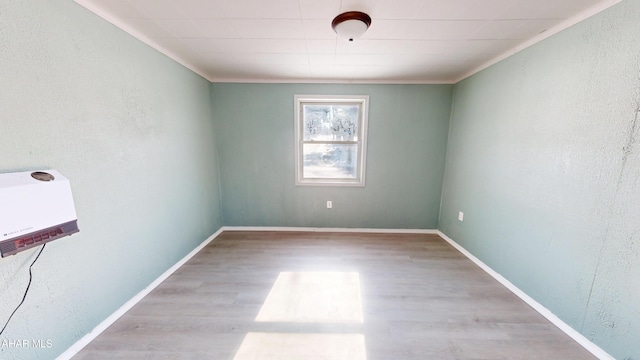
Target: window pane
(330,122)
(332,161)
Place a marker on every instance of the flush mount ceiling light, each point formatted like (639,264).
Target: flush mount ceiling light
(351,25)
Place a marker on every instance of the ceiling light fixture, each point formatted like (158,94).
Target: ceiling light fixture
(351,25)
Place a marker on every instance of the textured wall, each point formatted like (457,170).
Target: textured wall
(543,158)
(132,131)
(405,160)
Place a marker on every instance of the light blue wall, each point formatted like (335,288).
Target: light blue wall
(132,131)
(543,159)
(407,135)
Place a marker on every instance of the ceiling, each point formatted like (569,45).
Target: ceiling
(409,41)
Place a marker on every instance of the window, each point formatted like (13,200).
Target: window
(331,134)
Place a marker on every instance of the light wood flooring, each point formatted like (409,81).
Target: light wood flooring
(303,296)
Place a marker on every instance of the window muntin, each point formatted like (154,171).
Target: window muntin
(330,140)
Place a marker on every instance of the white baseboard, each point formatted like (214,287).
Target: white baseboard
(342,230)
(85,340)
(579,338)
(575,335)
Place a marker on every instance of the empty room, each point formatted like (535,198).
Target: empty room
(304,179)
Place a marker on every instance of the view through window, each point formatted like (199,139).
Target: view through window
(330,139)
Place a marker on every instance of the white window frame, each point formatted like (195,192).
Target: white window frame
(360,100)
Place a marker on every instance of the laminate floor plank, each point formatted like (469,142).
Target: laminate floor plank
(307,296)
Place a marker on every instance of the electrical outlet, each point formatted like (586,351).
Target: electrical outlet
(460,216)
(329,204)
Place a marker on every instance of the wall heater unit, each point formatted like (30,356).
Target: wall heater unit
(35,207)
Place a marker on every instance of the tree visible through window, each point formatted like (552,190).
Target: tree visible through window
(330,140)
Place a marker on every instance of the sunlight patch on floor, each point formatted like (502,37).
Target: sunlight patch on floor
(278,346)
(314,297)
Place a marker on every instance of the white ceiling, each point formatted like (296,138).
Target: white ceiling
(409,41)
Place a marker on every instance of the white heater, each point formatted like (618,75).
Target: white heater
(36,207)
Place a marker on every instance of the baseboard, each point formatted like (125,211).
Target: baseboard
(85,340)
(319,229)
(575,335)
